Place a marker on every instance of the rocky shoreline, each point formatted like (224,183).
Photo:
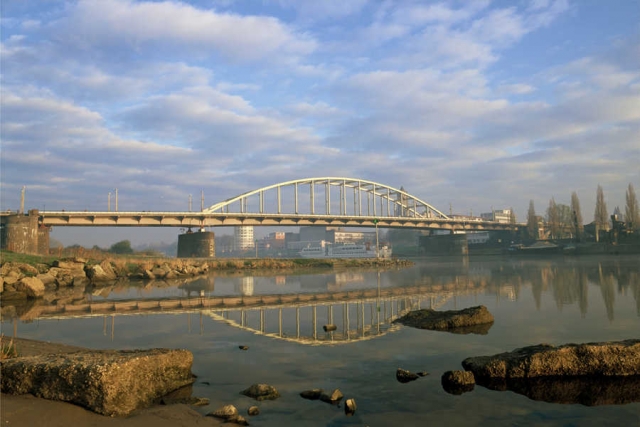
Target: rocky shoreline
(19,280)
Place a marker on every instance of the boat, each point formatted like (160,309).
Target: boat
(538,248)
(346,250)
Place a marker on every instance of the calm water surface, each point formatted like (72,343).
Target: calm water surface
(554,301)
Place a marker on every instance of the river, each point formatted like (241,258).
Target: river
(553,301)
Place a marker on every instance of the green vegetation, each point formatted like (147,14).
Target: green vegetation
(123,247)
(305,262)
(8,256)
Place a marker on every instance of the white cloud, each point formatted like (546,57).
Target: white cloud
(500,27)
(516,89)
(171,25)
(313,10)
(418,14)
(30,24)
(319,109)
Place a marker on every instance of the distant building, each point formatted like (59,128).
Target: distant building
(502,216)
(334,235)
(243,238)
(341,236)
(276,240)
(478,238)
(313,234)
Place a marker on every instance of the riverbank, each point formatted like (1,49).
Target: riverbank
(28,276)
(27,410)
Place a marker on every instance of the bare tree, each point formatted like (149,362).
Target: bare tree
(565,220)
(578,227)
(532,222)
(600,216)
(632,213)
(512,221)
(553,220)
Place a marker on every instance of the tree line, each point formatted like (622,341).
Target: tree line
(564,221)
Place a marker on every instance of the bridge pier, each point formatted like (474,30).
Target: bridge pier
(24,234)
(445,244)
(197,245)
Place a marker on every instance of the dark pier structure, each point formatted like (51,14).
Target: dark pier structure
(200,244)
(24,234)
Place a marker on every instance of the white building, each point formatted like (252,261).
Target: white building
(243,238)
(502,216)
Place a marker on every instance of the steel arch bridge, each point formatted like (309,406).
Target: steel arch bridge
(381,200)
(322,201)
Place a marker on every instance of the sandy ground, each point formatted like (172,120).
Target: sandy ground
(28,411)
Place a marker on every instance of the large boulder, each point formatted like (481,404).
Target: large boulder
(48,280)
(469,320)
(458,382)
(70,264)
(113,383)
(69,277)
(102,272)
(20,268)
(12,278)
(605,359)
(32,286)
(404,376)
(261,392)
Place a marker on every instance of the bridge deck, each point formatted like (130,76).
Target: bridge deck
(203,219)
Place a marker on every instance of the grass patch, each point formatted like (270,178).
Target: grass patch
(313,262)
(7,349)
(8,256)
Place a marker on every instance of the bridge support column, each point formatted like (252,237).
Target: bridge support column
(197,245)
(23,234)
(445,244)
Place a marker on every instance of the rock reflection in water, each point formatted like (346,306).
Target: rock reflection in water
(199,285)
(474,329)
(585,391)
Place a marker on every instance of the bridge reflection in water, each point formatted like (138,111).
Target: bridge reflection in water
(355,320)
(358,315)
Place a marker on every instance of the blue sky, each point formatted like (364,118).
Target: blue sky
(477,104)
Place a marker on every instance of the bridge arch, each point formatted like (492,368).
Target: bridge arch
(300,197)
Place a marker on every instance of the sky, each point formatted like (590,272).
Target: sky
(468,105)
